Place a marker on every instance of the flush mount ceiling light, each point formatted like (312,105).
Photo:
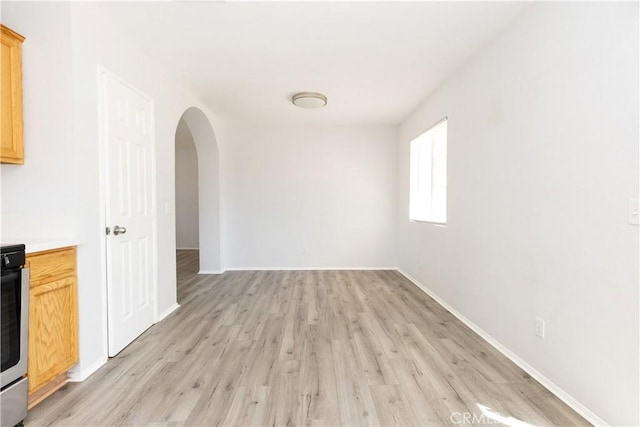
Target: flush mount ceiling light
(309,100)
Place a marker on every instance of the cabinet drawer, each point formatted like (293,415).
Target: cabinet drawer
(51,265)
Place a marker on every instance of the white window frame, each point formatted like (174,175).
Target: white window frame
(428,184)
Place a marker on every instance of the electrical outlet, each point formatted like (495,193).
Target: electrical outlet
(634,212)
(303,251)
(540,327)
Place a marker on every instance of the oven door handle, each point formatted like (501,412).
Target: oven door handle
(24,315)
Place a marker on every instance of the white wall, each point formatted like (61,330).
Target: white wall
(39,198)
(543,158)
(186,189)
(97,41)
(330,190)
(58,192)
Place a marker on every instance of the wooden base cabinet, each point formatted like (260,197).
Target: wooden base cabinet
(53,321)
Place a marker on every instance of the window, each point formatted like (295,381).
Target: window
(428,192)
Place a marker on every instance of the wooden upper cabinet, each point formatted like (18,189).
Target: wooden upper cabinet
(11,92)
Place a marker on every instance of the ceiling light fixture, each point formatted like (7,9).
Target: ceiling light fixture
(309,100)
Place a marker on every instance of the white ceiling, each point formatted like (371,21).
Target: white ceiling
(376,62)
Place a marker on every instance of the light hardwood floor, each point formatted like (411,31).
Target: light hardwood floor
(322,348)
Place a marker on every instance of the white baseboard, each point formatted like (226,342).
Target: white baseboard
(308,268)
(76,376)
(187,249)
(296,269)
(547,383)
(167,312)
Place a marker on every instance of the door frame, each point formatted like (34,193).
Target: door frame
(102,74)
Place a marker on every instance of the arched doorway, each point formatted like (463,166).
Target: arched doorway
(186,167)
(194,127)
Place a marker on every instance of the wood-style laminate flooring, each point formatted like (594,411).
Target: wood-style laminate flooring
(321,348)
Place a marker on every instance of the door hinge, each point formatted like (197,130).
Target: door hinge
(108,230)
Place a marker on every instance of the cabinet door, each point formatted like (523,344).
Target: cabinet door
(53,329)
(12,145)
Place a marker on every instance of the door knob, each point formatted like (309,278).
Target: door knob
(119,230)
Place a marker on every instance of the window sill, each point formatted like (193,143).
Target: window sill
(422,221)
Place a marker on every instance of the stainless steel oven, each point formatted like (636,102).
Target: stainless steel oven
(13,346)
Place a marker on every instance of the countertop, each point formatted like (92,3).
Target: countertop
(45,244)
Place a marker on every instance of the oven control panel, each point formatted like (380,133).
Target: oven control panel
(12,256)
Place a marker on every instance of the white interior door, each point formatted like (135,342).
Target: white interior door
(128,136)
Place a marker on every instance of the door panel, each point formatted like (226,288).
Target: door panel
(128,136)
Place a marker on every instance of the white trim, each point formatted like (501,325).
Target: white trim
(187,249)
(154,203)
(310,268)
(81,375)
(102,152)
(544,381)
(167,312)
(211,271)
